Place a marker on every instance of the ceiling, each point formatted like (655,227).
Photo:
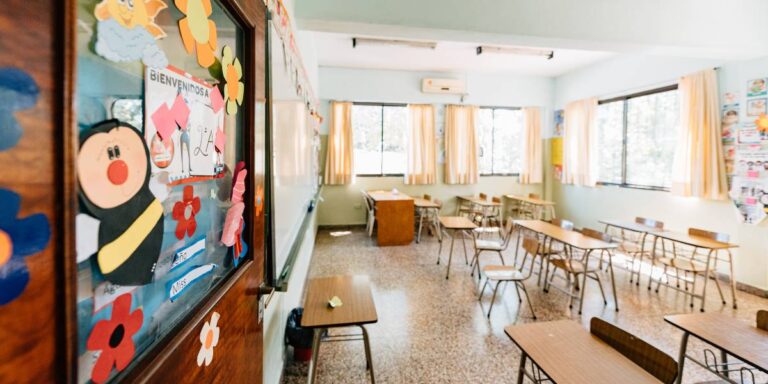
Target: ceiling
(335,50)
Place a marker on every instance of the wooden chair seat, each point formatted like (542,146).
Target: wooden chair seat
(488,245)
(502,273)
(574,266)
(630,247)
(682,264)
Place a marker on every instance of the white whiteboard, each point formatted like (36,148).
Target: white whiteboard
(294,177)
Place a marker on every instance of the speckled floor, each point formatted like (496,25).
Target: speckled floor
(433,330)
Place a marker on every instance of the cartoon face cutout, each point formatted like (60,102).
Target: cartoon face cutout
(133,13)
(112,166)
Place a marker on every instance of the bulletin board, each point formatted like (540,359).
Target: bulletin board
(745,144)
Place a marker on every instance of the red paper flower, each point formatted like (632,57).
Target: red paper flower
(113,338)
(184,212)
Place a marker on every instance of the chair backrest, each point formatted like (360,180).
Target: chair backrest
(762,320)
(721,237)
(496,199)
(483,196)
(649,222)
(366,199)
(439,203)
(595,234)
(531,248)
(646,356)
(427,197)
(564,224)
(534,196)
(508,232)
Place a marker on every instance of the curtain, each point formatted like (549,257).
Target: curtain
(422,161)
(699,166)
(579,143)
(338,164)
(531,171)
(460,145)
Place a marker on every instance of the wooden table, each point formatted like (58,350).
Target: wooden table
(567,353)
(394,213)
(631,226)
(571,239)
(698,242)
(424,206)
(485,205)
(731,336)
(540,205)
(357,310)
(454,224)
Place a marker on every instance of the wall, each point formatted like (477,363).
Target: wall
(343,204)
(586,206)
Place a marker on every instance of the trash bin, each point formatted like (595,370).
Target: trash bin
(297,337)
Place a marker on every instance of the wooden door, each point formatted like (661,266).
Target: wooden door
(213,331)
(31,242)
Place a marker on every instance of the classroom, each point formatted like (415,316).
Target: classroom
(354,191)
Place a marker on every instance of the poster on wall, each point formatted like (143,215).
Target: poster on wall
(751,198)
(559,114)
(757,87)
(184,115)
(730,122)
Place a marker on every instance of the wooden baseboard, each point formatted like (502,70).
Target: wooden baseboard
(744,287)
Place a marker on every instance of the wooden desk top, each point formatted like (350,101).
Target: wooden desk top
(746,342)
(457,222)
(530,200)
(568,353)
(355,294)
(695,241)
(631,226)
(478,201)
(423,203)
(388,196)
(572,238)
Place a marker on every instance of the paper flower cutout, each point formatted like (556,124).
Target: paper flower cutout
(184,212)
(127,31)
(18,91)
(234,223)
(197,32)
(113,338)
(18,238)
(259,199)
(762,123)
(234,89)
(209,338)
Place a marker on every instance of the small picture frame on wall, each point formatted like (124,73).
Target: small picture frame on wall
(756,107)
(757,87)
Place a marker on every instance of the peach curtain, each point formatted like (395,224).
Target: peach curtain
(460,145)
(339,161)
(422,153)
(699,166)
(531,171)
(579,143)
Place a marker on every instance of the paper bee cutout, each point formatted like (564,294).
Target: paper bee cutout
(113,171)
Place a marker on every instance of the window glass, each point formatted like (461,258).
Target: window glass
(484,134)
(395,136)
(500,136)
(610,133)
(652,128)
(380,134)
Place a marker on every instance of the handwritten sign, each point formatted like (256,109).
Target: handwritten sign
(106,292)
(187,253)
(176,288)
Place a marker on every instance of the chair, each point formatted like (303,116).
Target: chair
(370,218)
(547,250)
(573,268)
(492,246)
(526,210)
(430,215)
(649,358)
(505,274)
(693,263)
(634,246)
(762,320)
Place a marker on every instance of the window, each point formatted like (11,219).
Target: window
(637,135)
(379,132)
(500,137)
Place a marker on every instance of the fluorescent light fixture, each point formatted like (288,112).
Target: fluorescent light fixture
(549,54)
(406,43)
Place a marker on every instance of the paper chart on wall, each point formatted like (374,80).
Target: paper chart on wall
(751,198)
(181,124)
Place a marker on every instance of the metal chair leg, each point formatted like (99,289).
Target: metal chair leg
(369,361)
(583,288)
(602,292)
(495,289)
(527,298)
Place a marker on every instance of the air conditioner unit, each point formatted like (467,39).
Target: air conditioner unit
(445,86)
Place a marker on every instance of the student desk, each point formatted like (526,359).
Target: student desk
(572,239)
(567,353)
(424,206)
(540,205)
(642,230)
(394,214)
(454,224)
(486,206)
(357,309)
(697,242)
(732,337)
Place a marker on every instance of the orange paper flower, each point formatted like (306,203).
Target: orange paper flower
(234,89)
(197,32)
(762,122)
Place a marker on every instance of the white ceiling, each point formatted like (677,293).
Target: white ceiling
(335,50)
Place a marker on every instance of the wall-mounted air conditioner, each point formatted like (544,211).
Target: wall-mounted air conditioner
(445,86)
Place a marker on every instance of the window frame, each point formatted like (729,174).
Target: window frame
(381,149)
(493,140)
(624,99)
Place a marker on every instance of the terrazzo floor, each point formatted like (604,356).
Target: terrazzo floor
(433,330)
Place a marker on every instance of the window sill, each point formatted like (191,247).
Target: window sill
(385,175)
(500,174)
(632,186)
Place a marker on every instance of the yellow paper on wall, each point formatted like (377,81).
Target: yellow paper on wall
(557,150)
